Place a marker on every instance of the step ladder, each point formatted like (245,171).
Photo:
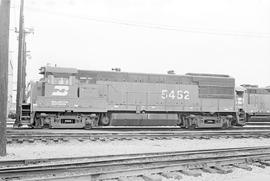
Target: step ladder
(241,117)
(25,113)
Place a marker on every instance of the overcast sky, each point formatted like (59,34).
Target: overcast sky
(153,36)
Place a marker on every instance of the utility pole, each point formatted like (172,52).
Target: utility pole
(24,70)
(19,70)
(4,47)
(24,62)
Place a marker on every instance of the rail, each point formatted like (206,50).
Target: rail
(52,136)
(116,166)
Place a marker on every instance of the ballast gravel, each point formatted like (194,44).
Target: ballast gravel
(257,174)
(92,148)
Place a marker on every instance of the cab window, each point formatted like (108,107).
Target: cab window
(60,80)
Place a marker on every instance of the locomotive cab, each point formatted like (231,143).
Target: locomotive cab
(56,99)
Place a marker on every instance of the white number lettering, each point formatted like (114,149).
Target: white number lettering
(179,94)
(171,95)
(186,93)
(164,94)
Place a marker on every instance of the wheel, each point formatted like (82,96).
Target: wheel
(31,126)
(46,126)
(193,126)
(87,126)
(38,123)
(225,125)
(105,120)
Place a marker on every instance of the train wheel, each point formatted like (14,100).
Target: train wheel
(87,126)
(46,126)
(105,120)
(193,126)
(31,126)
(225,125)
(38,123)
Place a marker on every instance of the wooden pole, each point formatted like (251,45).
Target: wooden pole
(24,70)
(19,70)
(4,49)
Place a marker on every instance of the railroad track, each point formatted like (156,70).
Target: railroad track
(31,137)
(149,166)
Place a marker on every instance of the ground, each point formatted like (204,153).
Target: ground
(88,148)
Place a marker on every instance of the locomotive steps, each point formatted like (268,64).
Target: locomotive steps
(149,166)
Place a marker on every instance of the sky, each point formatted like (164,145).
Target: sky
(149,36)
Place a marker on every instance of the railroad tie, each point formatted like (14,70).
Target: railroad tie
(258,164)
(122,138)
(60,138)
(149,177)
(265,162)
(173,175)
(223,169)
(93,139)
(193,173)
(210,170)
(165,138)
(139,138)
(80,139)
(65,139)
(31,140)
(20,140)
(56,140)
(14,140)
(123,178)
(205,137)
(102,139)
(243,166)
(9,140)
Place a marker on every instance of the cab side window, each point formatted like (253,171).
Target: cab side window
(60,80)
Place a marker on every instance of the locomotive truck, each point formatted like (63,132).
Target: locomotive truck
(72,98)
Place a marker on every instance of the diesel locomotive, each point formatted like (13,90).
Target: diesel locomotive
(255,101)
(72,98)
